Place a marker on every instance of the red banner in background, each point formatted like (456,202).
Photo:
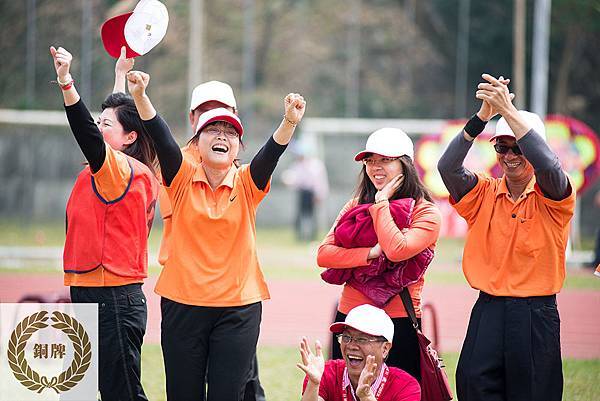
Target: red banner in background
(577,147)
(575,143)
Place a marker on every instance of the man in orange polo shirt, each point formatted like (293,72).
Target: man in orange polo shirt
(514,254)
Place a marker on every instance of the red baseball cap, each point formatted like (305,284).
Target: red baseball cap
(139,31)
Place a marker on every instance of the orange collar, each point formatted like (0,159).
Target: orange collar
(200,175)
(503,188)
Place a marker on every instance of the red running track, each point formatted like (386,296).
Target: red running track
(299,308)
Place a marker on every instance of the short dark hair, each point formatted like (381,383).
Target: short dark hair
(411,187)
(142,148)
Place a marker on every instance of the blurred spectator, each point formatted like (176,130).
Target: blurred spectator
(309,177)
(596,261)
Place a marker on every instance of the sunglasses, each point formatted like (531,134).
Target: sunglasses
(503,149)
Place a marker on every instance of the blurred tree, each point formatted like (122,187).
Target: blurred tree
(407,55)
(574,88)
(575,45)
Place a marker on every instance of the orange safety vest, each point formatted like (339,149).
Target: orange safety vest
(111,234)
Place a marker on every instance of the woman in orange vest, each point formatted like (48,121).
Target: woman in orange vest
(109,216)
(388,173)
(212,286)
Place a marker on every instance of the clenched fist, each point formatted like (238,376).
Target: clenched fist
(294,105)
(62,63)
(137,82)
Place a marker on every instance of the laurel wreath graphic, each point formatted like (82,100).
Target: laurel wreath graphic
(28,377)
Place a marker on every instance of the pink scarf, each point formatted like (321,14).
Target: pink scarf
(382,278)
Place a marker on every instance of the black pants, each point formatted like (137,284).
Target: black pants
(511,351)
(216,343)
(596,261)
(306,219)
(121,326)
(405,348)
(254,390)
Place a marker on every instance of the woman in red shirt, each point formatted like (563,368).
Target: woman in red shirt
(109,216)
(388,174)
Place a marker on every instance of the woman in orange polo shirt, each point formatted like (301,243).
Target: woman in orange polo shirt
(109,215)
(388,173)
(212,285)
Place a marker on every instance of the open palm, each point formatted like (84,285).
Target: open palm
(363,389)
(312,364)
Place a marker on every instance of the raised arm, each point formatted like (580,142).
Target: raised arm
(549,174)
(495,93)
(62,64)
(457,179)
(167,150)
(122,67)
(264,162)
(82,124)
(550,177)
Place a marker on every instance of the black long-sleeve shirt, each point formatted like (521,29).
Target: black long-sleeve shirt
(170,157)
(86,133)
(549,175)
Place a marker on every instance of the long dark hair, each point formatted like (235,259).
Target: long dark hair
(142,148)
(411,187)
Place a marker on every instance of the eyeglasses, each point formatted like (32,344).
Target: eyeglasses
(503,149)
(382,161)
(214,131)
(347,339)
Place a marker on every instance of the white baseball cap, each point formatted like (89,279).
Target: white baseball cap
(391,142)
(533,120)
(212,90)
(368,319)
(220,114)
(139,31)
